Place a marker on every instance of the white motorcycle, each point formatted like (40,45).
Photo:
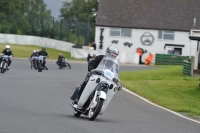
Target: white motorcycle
(100,89)
(41,59)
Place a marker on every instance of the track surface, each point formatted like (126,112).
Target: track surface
(33,102)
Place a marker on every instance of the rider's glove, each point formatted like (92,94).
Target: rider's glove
(88,74)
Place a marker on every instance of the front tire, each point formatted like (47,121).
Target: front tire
(35,65)
(40,67)
(93,113)
(2,68)
(69,66)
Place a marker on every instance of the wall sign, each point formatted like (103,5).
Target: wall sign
(101,39)
(115,41)
(128,44)
(147,39)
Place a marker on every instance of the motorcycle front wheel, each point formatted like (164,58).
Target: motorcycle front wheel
(93,113)
(2,68)
(40,67)
(35,65)
(68,65)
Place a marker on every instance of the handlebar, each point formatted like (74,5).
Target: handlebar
(99,72)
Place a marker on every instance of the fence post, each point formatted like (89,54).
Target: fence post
(32,25)
(192,69)
(13,24)
(86,35)
(61,29)
(68,30)
(42,26)
(89,26)
(52,30)
(78,32)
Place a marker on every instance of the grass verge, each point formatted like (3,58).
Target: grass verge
(166,86)
(24,51)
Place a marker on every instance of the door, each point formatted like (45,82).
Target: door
(177,51)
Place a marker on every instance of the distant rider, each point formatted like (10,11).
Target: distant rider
(34,56)
(43,53)
(8,52)
(60,59)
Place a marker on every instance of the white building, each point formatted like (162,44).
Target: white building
(155,25)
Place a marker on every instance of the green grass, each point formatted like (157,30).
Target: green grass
(24,51)
(166,86)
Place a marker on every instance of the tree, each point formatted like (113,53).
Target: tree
(21,16)
(80,10)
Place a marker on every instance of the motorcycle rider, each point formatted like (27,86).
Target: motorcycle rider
(111,51)
(37,51)
(43,53)
(60,59)
(88,58)
(33,56)
(8,52)
(34,51)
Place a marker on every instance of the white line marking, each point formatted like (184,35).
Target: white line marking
(160,106)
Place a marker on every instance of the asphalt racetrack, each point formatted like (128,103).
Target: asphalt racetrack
(33,102)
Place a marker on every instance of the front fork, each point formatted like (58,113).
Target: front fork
(101,95)
(94,102)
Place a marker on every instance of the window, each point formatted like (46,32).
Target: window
(166,35)
(114,31)
(121,32)
(125,32)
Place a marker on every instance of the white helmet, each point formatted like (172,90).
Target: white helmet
(7,47)
(34,51)
(112,51)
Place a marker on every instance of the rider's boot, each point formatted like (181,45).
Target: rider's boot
(31,66)
(45,67)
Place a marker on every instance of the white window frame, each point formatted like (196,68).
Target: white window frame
(120,32)
(164,32)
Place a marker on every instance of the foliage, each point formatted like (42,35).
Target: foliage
(31,17)
(80,10)
(18,16)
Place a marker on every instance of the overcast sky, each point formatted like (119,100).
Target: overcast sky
(55,6)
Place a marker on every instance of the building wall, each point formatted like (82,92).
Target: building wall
(181,38)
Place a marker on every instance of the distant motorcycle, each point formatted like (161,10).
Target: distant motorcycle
(101,87)
(34,62)
(41,63)
(63,63)
(4,63)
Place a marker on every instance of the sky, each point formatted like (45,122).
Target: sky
(55,6)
